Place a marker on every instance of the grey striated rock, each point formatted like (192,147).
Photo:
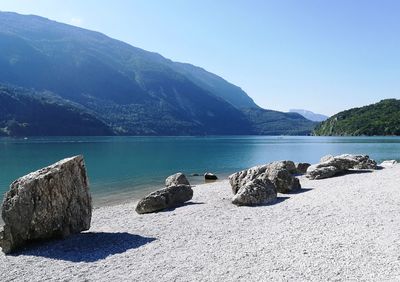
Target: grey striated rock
(168,197)
(176,179)
(256,192)
(331,166)
(210,176)
(302,167)
(287,165)
(326,158)
(280,173)
(51,202)
(283,180)
(239,179)
(317,172)
(363,161)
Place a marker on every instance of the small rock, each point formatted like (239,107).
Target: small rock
(168,197)
(301,168)
(176,179)
(195,174)
(316,172)
(255,192)
(210,176)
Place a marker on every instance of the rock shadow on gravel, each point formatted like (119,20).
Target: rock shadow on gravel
(300,191)
(180,206)
(351,171)
(278,201)
(86,247)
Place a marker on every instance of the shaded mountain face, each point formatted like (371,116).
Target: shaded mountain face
(217,85)
(381,119)
(133,91)
(310,115)
(27,113)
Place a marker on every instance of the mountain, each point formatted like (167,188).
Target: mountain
(382,118)
(310,115)
(133,91)
(217,85)
(26,113)
(267,122)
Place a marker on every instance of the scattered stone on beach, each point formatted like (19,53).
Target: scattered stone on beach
(301,168)
(256,192)
(210,176)
(317,172)
(331,166)
(280,173)
(176,179)
(363,161)
(51,202)
(286,165)
(388,163)
(283,180)
(240,178)
(326,158)
(165,198)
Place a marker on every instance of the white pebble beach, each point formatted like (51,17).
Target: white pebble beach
(341,228)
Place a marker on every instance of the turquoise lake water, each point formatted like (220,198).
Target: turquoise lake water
(126,168)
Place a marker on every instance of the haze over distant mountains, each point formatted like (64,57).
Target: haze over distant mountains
(108,87)
(310,115)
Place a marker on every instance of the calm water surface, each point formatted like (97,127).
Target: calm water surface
(126,168)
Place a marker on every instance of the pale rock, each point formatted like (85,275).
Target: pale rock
(48,203)
(165,198)
(256,192)
(176,179)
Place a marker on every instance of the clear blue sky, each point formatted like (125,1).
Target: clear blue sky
(324,56)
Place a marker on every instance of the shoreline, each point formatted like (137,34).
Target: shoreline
(340,228)
(132,197)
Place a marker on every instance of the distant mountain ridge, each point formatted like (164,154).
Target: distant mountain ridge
(310,115)
(382,118)
(132,91)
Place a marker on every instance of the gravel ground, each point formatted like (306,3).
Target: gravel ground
(342,228)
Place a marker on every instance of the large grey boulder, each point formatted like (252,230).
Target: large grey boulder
(51,202)
(331,166)
(239,179)
(256,192)
(280,173)
(286,165)
(168,197)
(348,161)
(283,180)
(176,179)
